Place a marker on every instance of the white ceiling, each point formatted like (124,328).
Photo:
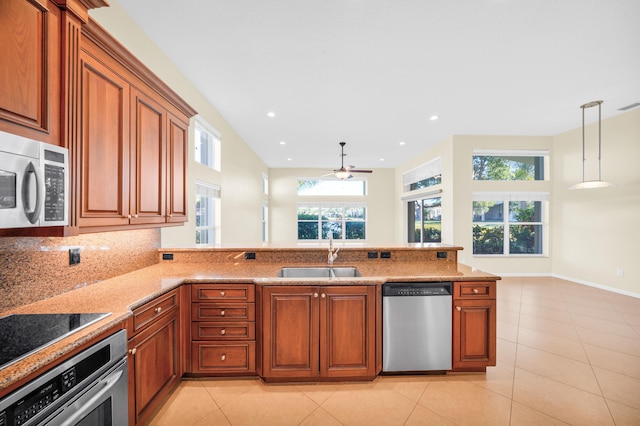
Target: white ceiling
(373,72)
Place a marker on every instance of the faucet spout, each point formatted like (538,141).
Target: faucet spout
(333,254)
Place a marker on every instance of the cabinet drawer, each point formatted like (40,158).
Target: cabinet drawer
(219,292)
(155,309)
(223,311)
(231,357)
(474,290)
(223,331)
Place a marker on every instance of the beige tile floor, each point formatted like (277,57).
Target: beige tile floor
(567,354)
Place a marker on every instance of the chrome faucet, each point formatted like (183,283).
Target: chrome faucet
(333,254)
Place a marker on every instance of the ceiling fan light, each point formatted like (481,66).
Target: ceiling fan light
(342,174)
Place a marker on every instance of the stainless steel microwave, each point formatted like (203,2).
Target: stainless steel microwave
(34,183)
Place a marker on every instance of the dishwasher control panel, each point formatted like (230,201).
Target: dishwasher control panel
(417,289)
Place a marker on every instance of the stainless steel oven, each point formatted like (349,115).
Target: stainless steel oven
(87,389)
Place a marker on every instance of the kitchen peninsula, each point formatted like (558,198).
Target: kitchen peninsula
(207,312)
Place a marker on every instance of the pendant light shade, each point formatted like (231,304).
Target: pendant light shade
(592,184)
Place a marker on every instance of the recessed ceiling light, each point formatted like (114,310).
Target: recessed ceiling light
(402,143)
(289,159)
(283,143)
(271,114)
(382,159)
(433,118)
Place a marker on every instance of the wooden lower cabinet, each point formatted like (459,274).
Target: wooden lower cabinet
(474,326)
(154,357)
(223,330)
(318,332)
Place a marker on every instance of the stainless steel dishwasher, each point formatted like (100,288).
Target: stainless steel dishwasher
(416,330)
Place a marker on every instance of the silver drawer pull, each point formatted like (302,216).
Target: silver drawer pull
(133,351)
(222,313)
(475,290)
(315,294)
(223,331)
(323,295)
(222,293)
(158,309)
(223,357)
(458,308)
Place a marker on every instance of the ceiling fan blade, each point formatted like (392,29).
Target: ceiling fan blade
(360,171)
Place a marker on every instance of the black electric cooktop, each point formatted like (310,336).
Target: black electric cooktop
(22,334)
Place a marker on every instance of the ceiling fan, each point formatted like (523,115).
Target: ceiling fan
(345,172)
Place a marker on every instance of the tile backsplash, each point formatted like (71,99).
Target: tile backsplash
(36,268)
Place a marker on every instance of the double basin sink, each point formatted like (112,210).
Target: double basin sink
(319,272)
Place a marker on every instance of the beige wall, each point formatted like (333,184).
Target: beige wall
(242,169)
(597,232)
(283,201)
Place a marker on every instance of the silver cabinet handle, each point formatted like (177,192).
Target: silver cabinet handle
(133,351)
(458,308)
(223,357)
(158,309)
(323,295)
(222,313)
(223,331)
(475,290)
(222,293)
(315,294)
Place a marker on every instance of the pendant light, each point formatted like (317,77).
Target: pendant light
(592,184)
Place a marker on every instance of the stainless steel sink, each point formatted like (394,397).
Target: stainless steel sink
(319,272)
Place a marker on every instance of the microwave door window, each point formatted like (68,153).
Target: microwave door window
(7,190)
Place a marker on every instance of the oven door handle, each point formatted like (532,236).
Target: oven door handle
(107,383)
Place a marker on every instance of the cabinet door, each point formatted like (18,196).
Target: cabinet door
(154,358)
(148,160)
(290,331)
(30,69)
(103,174)
(347,331)
(177,143)
(474,334)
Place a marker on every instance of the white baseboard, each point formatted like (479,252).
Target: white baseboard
(567,278)
(596,285)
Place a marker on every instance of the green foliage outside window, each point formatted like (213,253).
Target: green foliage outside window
(489,167)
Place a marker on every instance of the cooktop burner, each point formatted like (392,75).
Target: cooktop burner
(22,334)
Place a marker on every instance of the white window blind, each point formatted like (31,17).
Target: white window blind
(511,152)
(207,190)
(424,171)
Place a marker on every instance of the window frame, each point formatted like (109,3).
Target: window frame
(213,144)
(343,222)
(506,198)
(543,167)
(212,193)
(411,230)
(332,180)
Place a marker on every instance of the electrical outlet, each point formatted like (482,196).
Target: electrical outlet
(620,272)
(249,256)
(167,256)
(385,254)
(74,256)
(372,255)
(441,254)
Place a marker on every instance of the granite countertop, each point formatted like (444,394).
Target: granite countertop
(122,294)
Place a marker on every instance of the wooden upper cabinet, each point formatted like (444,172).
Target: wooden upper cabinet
(148,159)
(103,176)
(177,157)
(30,71)
(133,144)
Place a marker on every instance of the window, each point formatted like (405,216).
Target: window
(265,184)
(207,205)
(311,187)
(344,222)
(265,223)
(207,144)
(424,176)
(510,165)
(425,220)
(509,223)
